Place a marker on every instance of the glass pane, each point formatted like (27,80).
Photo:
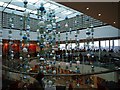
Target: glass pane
(62,46)
(116,43)
(102,44)
(81,45)
(96,44)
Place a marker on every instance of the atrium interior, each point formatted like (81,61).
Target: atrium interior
(50,45)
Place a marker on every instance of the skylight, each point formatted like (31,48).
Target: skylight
(33,1)
(53,6)
(1,3)
(60,10)
(68,12)
(47,5)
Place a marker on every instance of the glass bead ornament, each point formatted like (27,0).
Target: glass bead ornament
(12,25)
(28,56)
(41,67)
(10,31)
(25,36)
(37,31)
(20,32)
(38,43)
(10,43)
(51,54)
(54,71)
(77,40)
(58,25)
(44,71)
(54,25)
(20,58)
(88,55)
(42,9)
(88,32)
(42,59)
(92,66)
(9,35)
(42,45)
(66,54)
(10,20)
(53,51)
(54,58)
(12,51)
(49,65)
(49,27)
(12,55)
(66,25)
(41,24)
(38,55)
(25,3)
(78,85)
(91,25)
(78,62)
(21,19)
(25,49)
(28,32)
(24,77)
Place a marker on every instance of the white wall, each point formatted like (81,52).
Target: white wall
(99,32)
(16,36)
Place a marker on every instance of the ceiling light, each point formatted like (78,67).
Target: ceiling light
(114,22)
(87,8)
(99,14)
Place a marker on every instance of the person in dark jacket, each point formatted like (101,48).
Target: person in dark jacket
(39,79)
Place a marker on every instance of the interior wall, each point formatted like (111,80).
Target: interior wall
(16,34)
(99,32)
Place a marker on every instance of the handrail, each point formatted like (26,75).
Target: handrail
(85,74)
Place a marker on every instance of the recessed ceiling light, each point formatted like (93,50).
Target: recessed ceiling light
(114,22)
(87,8)
(99,14)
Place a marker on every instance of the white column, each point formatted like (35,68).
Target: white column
(99,50)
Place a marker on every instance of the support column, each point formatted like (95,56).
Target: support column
(109,44)
(113,45)
(99,50)
(84,45)
(105,44)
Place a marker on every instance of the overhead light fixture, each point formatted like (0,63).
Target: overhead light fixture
(114,22)
(87,8)
(99,14)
